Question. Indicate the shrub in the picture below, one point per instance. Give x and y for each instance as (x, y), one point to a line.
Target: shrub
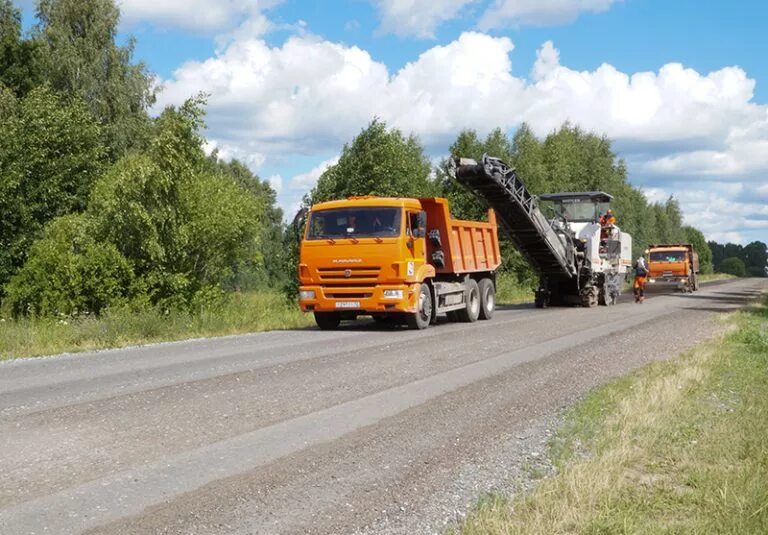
(69, 272)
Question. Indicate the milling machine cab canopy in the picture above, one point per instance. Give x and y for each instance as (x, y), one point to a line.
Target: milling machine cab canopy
(578, 207)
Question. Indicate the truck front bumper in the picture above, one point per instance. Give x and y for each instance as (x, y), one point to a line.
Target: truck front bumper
(378, 299)
(669, 282)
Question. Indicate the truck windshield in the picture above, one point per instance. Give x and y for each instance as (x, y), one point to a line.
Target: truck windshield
(354, 223)
(668, 256)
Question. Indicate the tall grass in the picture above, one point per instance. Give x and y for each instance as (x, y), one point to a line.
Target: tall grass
(678, 447)
(510, 292)
(241, 313)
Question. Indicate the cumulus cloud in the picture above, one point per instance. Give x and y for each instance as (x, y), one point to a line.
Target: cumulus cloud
(276, 181)
(506, 13)
(199, 15)
(309, 96)
(306, 181)
(415, 17)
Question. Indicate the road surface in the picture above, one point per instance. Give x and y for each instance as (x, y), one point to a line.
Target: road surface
(363, 430)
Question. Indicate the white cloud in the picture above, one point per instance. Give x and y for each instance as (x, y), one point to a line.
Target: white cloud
(198, 15)
(416, 17)
(306, 181)
(309, 96)
(276, 181)
(506, 13)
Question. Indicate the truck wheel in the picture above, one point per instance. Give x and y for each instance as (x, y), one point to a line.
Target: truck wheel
(423, 316)
(471, 312)
(487, 298)
(327, 321)
(695, 282)
(541, 299)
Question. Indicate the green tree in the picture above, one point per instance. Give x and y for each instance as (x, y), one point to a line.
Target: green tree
(379, 161)
(19, 60)
(184, 228)
(70, 271)
(80, 57)
(269, 264)
(176, 230)
(50, 155)
(755, 256)
(733, 266)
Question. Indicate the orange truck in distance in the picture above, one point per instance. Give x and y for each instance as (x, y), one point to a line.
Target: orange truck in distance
(673, 264)
(396, 259)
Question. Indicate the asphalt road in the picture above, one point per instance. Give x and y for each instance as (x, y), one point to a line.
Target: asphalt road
(362, 430)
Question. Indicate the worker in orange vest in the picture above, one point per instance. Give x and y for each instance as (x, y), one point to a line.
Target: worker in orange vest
(607, 220)
(641, 276)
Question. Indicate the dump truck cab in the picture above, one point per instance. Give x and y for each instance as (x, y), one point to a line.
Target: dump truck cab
(374, 255)
(673, 265)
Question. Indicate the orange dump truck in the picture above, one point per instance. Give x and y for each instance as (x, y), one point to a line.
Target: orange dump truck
(396, 259)
(673, 264)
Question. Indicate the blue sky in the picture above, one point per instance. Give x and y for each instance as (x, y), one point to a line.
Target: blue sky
(682, 87)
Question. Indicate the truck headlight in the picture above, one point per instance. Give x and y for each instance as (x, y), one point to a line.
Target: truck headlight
(393, 294)
(651, 280)
(307, 294)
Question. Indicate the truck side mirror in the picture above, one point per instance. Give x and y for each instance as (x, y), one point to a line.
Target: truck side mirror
(298, 222)
(421, 225)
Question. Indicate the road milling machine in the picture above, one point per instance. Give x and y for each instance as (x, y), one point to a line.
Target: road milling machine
(578, 260)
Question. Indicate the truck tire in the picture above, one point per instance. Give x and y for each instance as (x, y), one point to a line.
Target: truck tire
(541, 299)
(471, 311)
(327, 321)
(487, 298)
(425, 310)
(695, 282)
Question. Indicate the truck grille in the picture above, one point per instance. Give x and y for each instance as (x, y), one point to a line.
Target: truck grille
(340, 295)
(349, 276)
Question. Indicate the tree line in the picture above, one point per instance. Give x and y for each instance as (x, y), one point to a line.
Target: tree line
(749, 260)
(105, 205)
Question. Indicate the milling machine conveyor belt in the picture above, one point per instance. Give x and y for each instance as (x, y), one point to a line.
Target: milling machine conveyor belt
(500, 187)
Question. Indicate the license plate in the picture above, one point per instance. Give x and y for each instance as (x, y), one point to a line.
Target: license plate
(347, 304)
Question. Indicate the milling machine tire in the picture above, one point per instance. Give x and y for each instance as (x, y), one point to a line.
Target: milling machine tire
(327, 321)
(589, 297)
(487, 298)
(471, 312)
(541, 299)
(423, 316)
(605, 297)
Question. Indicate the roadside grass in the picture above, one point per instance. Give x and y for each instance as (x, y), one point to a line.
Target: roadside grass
(676, 447)
(241, 313)
(715, 277)
(511, 292)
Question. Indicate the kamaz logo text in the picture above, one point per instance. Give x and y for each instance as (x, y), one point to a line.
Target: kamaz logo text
(347, 260)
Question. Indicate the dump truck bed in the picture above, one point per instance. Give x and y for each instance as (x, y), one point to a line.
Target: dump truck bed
(466, 246)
